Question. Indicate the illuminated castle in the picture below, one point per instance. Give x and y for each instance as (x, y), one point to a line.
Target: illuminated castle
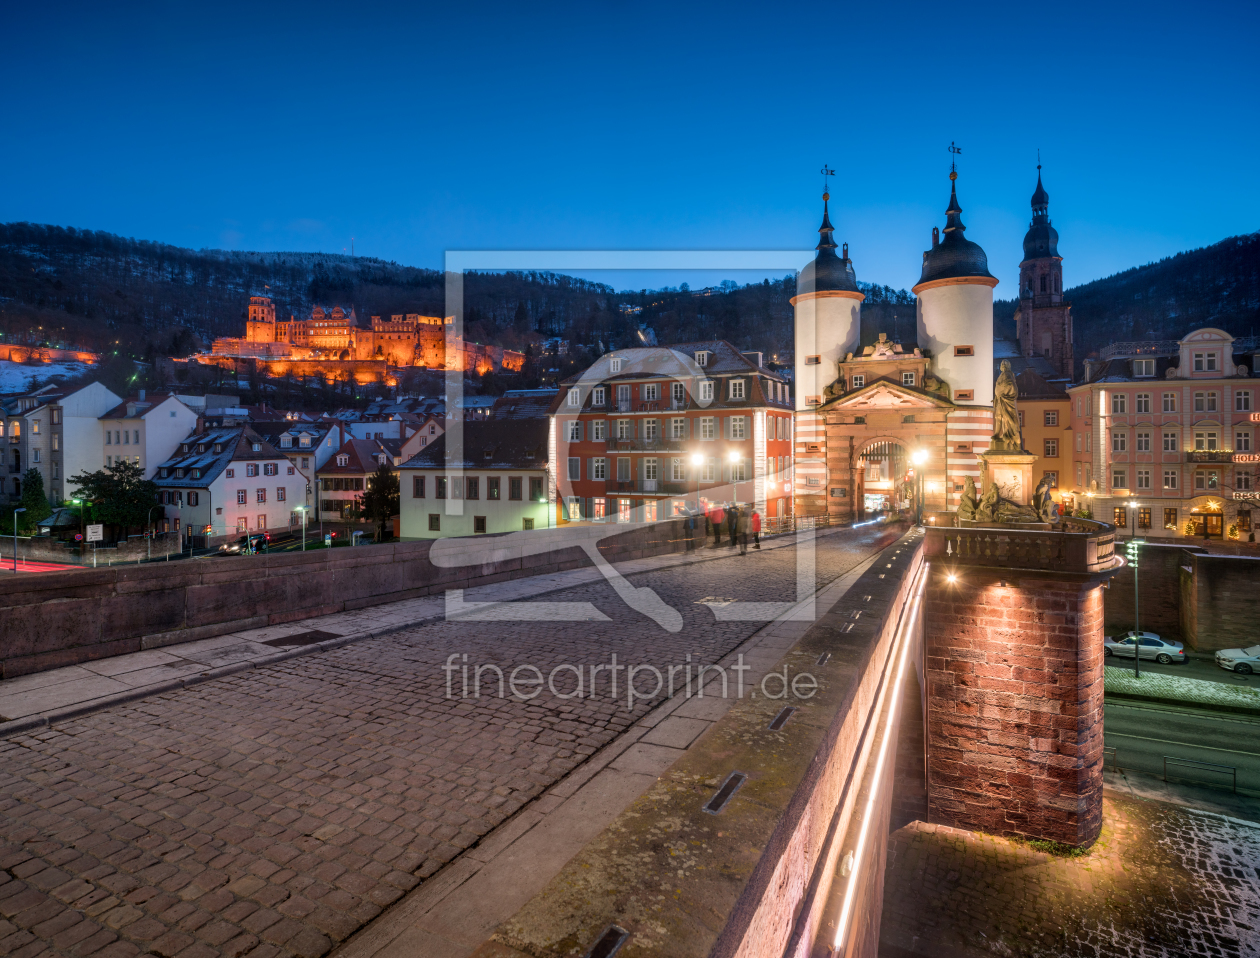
(334, 335)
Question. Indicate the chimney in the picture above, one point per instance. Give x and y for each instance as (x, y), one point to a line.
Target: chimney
(142, 395)
(936, 236)
(201, 426)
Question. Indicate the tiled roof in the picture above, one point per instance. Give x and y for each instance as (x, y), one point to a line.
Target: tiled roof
(1031, 386)
(492, 444)
(361, 455)
(236, 445)
(143, 406)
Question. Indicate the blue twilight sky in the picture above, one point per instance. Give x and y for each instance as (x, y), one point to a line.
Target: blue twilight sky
(416, 128)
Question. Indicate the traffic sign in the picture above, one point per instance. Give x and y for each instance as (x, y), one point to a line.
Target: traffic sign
(328, 541)
(96, 533)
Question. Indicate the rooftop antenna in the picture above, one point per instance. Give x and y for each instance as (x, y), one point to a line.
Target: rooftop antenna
(1038, 159)
(352, 238)
(953, 167)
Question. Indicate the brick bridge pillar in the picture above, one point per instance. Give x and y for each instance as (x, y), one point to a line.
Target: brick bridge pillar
(1015, 683)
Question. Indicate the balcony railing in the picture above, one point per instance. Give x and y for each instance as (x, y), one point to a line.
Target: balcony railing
(1082, 546)
(1210, 455)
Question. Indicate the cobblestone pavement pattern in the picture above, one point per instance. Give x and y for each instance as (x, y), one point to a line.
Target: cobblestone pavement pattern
(276, 811)
(1161, 881)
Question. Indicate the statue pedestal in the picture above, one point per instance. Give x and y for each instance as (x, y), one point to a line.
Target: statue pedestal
(1011, 472)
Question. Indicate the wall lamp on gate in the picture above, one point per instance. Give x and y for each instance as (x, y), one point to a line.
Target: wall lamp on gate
(919, 457)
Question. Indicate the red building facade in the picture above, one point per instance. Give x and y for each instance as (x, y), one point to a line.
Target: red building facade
(646, 434)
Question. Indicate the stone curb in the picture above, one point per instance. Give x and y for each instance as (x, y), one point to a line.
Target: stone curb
(43, 719)
(1183, 703)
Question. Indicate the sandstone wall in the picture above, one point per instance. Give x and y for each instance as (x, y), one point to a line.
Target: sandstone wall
(62, 618)
(1015, 704)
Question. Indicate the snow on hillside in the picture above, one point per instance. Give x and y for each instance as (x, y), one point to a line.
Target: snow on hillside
(17, 377)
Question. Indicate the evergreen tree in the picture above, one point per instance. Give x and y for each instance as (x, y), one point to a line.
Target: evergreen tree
(119, 494)
(33, 499)
(380, 502)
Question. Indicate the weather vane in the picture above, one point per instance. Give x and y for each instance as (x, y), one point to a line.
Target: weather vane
(1039, 158)
(956, 150)
(826, 172)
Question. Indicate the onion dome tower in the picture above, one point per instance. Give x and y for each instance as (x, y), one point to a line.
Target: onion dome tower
(955, 308)
(828, 315)
(1044, 320)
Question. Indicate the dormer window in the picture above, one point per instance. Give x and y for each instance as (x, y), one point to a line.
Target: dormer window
(185, 447)
(1204, 362)
(575, 397)
(343, 460)
(706, 390)
(702, 357)
(165, 473)
(382, 459)
(196, 473)
(489, 453)
(218, 447)
(286, 442)
(257, 447)
(201, 447)
(599, 396)
(737, 389)
(1143, 367)
(179, 473)
(304, 440)
(614, 365)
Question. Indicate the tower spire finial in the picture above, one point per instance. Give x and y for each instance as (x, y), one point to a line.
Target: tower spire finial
(953, 166)
(826, 172)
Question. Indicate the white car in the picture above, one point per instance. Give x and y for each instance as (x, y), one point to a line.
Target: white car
(1242, 661)
(1150, 644)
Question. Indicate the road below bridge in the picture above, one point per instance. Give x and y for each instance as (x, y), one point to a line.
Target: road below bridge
(279, 810)
(1143, 734)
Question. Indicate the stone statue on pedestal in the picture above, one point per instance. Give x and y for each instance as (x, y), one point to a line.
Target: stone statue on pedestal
(967, 506)
(1006, 431)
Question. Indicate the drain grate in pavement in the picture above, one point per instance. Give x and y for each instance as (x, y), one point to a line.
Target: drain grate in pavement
(301, 638)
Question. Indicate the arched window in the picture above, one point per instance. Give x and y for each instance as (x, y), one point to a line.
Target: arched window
(1043, 284)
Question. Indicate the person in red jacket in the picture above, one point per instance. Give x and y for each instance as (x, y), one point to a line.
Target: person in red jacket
(717, 517)
(756, 529)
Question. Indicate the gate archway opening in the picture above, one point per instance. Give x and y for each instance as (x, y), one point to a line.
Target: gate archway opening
(883, 484)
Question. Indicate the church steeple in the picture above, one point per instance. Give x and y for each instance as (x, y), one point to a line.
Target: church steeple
(1044, 319)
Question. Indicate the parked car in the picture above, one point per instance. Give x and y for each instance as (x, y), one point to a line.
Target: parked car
(1242, 661)
(254, 542)
(1150, 644)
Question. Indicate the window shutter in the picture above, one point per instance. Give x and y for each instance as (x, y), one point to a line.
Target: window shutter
(581, 431)
(590, 468)
(586, 507)
(726, 427)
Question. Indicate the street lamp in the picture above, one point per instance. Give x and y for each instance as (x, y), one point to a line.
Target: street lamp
(919, 457)
(734, 456)
(1131, 550)
(303, 510)
(15, 512)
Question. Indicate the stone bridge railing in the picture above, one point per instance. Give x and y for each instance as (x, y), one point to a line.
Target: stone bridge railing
(1078, 545)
